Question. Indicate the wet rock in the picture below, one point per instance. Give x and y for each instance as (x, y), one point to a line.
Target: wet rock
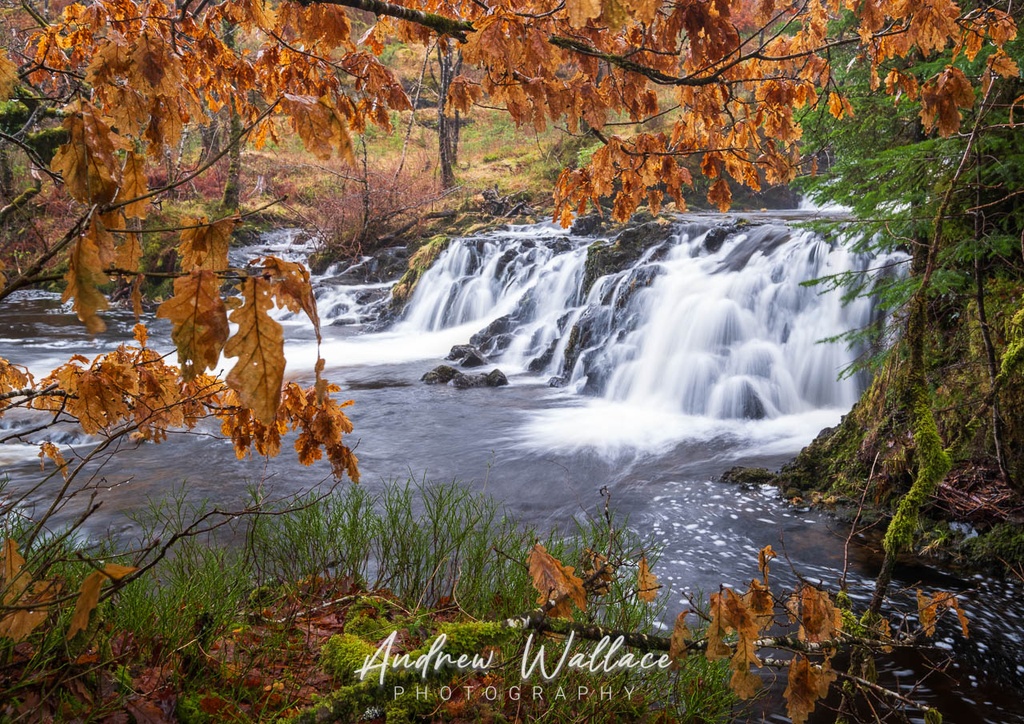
(715, 237)
(748, 476)
(473, 359)
(467, 356)
(440, 375)
(539, 364)
(494, 378)
(628, 247)
(501, 325)
(588, 225)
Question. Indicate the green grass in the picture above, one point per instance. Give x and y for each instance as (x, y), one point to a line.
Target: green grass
(219, 619)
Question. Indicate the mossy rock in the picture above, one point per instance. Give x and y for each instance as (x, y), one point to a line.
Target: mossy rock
(748, 476)
(344, 654)
(419, 262)
(605, 258)
(1003, 543)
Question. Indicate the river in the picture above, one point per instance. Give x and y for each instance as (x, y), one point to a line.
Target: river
(701, 354)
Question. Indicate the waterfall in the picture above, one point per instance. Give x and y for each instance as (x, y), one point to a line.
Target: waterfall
(707, 320)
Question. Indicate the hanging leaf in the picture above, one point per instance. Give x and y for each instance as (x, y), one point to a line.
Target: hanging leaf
(929, 608)
(86, 162)
(199, 322)
(205, 246)
(807, 684)
(647, 584)
(8, 76)
(680, 640)
(819, 619)
(51, 451)
(320, 125)
(942, 98)
(129, 252)
(720, 195)
(292, 288)
(89, 595)
(259, 346)
(11, 378)
(764, 559)
(553, 580)
(92, 252)
(134, 185)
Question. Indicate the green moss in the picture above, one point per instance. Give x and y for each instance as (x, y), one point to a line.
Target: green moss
(473, 637)
(1015, 345)
(933, 463)
(419, 262)
(748, 476)
(1004, 542)
(344, 654)
(346, 704)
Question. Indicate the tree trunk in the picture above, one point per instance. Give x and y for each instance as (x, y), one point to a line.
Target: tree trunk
(232, 185)
(449, 60)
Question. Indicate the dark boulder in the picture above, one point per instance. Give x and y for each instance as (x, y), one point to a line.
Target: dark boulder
(467, 356)
(501, 325)
(473, 359)
(494, 378)
(609, 257)
(588, 225)
(440, 375)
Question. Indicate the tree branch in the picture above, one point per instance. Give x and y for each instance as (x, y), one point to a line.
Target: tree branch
(443, 25)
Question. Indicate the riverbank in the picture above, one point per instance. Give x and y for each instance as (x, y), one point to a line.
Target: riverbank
(274, 622)
(971, 523)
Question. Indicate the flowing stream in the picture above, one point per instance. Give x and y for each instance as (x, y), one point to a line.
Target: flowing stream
(703, 352)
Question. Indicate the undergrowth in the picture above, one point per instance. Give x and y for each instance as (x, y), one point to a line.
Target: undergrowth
(268, 616)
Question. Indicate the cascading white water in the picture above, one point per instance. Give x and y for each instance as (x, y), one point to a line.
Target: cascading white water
(713, 321)
(733, 333)
(479, 279)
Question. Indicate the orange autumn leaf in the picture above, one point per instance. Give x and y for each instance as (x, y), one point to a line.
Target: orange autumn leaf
(929, 608)
(552, 580)
(720, 195)
(19, 592)
(321, 126)
(292, 288)
(259, 346)
(133, 186)
(199, 321)
(87, 162)
(89, 595)
(646, 583)
(807, 684)
(680, 639)
(204, 246)
(8, 76)
(91, 254)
